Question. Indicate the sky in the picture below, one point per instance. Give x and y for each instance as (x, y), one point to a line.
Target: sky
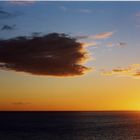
(69, 56)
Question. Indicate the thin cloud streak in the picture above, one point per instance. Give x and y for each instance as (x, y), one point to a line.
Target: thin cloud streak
(86, 11)
(88, 44)
(122, 45)
(21, 3)
(8, 27)
(117, 45)
(63, 8)
(138, 14)
(132, 70)
(103, 35)
(5, 14)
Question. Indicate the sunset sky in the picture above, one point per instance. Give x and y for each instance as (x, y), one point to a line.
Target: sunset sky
(72, 56)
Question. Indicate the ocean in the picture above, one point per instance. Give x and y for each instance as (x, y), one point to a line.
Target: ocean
(70, 125)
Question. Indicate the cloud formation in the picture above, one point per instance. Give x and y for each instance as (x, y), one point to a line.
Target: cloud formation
(103, 35)
(138, 14)
(22, 3)
(63, 8)
(109, 44)
(8, 27)
(92, 40)
(52, 54)
(131, 71)
(86, 11)
(88, 44)
(5, 14)
(118, 45)
(122, 45)
(137, 74)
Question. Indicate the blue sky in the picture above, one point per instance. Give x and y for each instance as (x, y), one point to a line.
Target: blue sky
(109, 31)
(80, 18)
(73, 17)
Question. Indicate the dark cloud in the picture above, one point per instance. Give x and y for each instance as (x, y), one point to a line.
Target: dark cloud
(137, 74)
(8, 27)
(121, 69)
(53, 54)
(5, 14)
(36, 34)
(82, 37)
(122, 45)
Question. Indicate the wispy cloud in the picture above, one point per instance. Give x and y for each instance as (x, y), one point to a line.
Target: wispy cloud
(88, 44)
(138, 25)
(117, 45)
(82, 36)
(6, 14)
(8, 27)
(92, 40)
(82, 10)
(138, 14)
(137, 74)
(121, 45)
(110, 44)
(103, 35)
(21, 3)
(63, 8)
(52, 54)
(131, 71)
(87, 11)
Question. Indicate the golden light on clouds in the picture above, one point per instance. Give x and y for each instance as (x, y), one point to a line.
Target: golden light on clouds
(103, 35)
(132, 70)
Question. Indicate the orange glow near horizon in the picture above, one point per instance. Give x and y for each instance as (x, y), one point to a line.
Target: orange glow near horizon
(69, 56)
(69, 95)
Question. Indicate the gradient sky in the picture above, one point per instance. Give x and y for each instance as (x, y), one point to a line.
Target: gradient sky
(111, 30)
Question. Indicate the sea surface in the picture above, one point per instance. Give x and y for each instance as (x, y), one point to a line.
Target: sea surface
(69, 125)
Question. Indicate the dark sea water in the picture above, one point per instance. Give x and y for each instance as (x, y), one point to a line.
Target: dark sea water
(69, 125)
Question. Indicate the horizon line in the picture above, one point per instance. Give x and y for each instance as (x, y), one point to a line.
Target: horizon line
(69, 110)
